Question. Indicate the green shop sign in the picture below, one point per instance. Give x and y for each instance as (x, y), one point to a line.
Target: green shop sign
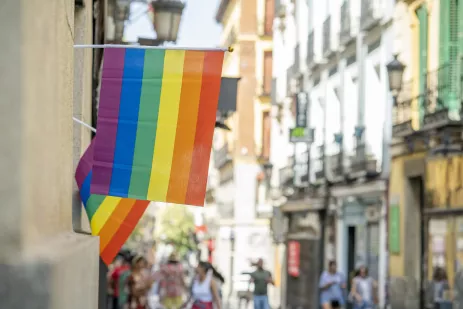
(394, 228)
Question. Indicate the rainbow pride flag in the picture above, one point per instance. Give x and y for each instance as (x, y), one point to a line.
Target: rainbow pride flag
(111, 218)
(156, 120)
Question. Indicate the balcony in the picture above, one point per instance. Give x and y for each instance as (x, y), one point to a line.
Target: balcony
(287, 173)
(440, 100)
(370, 13)
(327, 46)
(310, 50)
(402, 124)
(336, 165)
(345, 36)
(222, 156)
(320, 166)
(362, 162)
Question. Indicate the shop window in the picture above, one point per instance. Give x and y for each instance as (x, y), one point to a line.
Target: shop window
(445, 253)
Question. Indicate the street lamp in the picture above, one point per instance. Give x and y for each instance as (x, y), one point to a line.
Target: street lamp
(395, 71)
(268, 169)
(167, 16)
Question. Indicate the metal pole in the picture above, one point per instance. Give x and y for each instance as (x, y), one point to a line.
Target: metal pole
(362, 50)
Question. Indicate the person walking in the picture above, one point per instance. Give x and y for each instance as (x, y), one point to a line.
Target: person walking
(261, 279)
(138, 285)
(332, 284)
(204, 291)
(171, 283)
(364, 290)
(114, 279)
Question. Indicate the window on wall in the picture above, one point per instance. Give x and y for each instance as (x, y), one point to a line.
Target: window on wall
(269, 14)
(267, 80)
(266, 127)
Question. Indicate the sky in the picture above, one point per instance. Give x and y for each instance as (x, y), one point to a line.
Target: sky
(198, 27)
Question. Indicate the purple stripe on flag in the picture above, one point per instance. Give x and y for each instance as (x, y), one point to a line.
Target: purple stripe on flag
(84, 167)
(108, 114)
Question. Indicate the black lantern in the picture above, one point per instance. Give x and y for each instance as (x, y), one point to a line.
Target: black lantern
(395, 71)
(268, 168)
(167, 16)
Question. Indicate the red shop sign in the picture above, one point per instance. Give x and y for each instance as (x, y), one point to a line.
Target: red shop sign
(294, 258)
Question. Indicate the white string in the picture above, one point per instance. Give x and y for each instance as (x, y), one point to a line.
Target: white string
(152, 47)
(84, 124)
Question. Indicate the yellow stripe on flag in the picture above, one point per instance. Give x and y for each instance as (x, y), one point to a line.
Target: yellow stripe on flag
(167, 125)
(103, 213)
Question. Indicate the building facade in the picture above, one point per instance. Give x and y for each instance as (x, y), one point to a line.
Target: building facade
(425, 203)
(55, 266)
(330, 136)
(237, 181)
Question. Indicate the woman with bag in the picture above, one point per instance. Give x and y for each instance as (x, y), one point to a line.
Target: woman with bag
(204, 291)
(363, 293)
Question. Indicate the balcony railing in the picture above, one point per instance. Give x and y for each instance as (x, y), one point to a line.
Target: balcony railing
(403, 112)
(336, 165)
(369, 13)
(327, 48)
(439, 97)
(310, 49)
(345, 32)
(222, 156)
(320, 166)
(362, 161)
(287, 173)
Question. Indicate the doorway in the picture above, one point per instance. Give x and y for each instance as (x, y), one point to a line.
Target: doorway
(415, 258)
(351, 256)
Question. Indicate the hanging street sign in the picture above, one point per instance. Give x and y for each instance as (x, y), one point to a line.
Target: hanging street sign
(301, 135)
(302, 106)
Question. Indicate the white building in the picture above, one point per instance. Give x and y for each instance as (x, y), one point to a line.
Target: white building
(336, 51)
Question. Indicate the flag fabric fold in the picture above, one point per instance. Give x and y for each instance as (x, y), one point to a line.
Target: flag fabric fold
(111, 218)
(156, 119)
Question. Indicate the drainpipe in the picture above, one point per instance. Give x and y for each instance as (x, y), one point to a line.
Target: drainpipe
(326, 196)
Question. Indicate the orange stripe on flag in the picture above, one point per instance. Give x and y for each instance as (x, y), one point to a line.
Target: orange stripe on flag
(209, 99)
(124, 231)
(114, 221)
(186, 126)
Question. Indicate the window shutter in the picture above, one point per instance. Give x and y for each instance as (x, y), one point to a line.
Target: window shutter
(266, 132)
(267, 86)
(422, 14)
(269, 14)
(453, 73)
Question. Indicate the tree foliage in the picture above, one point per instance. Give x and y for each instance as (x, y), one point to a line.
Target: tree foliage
(176, 226)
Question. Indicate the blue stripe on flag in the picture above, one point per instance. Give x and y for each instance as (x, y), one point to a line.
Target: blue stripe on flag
(85, 190)
(128, 122)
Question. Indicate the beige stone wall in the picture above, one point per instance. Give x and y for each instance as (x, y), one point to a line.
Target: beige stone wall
(43, 263)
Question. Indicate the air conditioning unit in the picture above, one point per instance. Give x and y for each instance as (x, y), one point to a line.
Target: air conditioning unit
(372, 213)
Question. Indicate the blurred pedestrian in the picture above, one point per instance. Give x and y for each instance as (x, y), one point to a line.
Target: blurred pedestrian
(121, 265)
(138, 285)
(261, 279)
(204, 292)
(332, 284)
(172, 283)
(364, 290)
